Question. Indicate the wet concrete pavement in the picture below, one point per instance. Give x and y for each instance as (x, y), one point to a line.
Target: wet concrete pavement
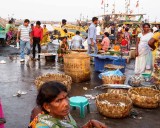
(15, 76)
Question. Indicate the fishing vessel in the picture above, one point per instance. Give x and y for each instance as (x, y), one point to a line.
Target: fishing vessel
(129, 16)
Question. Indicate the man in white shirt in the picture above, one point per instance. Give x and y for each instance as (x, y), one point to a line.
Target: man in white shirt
(92, 36)
(108, 29)
(76, 41)
(120, 28)
(24, 33)
(98, 30)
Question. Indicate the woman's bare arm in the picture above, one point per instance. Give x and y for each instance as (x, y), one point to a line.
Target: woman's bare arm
(151, 43)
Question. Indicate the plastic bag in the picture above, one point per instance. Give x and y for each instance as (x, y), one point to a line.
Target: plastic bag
(111, 73)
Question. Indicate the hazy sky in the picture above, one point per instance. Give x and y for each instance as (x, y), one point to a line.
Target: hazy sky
(71, 9)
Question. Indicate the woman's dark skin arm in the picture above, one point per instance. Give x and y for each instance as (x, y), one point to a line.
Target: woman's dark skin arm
(151, 43)
(94, 124)
(35, 112)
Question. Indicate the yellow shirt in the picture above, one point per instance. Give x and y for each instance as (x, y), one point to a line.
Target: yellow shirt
(138, 30)
(156, 36)
(45, 37)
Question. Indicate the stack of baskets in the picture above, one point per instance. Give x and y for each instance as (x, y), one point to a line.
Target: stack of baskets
(77, 66)
(145, 97)
(64, 79)
(113, 79)
(113, 105)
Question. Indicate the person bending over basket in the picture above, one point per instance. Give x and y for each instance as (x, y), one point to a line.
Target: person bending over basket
(54, 103)
(62, 49)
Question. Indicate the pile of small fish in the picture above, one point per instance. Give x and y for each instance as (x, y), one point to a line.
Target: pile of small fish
(113, 104)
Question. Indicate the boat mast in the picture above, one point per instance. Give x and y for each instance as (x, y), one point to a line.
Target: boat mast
(127, 4)
(114, 8)
(105, 5)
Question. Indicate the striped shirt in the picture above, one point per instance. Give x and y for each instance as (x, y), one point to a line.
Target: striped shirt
(24, 32)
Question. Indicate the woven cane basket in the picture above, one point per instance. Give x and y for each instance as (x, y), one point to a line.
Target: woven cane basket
(113, 79)
(113, 67)
(145, 97)
(64, 79)
(113, 105)
(77, 66)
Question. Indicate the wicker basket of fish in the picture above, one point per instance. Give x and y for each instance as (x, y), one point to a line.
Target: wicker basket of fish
(113, 67)
(113, 79)
(145, 97)
(77, 66)
(64, 79)
(114, 105)
(117, 91)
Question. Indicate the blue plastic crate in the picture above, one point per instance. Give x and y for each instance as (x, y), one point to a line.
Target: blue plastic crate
(122, 62)
(100, 61)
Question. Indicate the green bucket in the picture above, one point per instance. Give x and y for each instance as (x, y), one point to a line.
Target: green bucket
(146, 75)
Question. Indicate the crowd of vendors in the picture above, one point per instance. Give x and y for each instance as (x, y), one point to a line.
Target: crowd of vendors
(112, 37)
(52, 97)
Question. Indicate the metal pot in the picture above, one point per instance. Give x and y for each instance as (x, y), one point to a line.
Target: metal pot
(135, 81)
